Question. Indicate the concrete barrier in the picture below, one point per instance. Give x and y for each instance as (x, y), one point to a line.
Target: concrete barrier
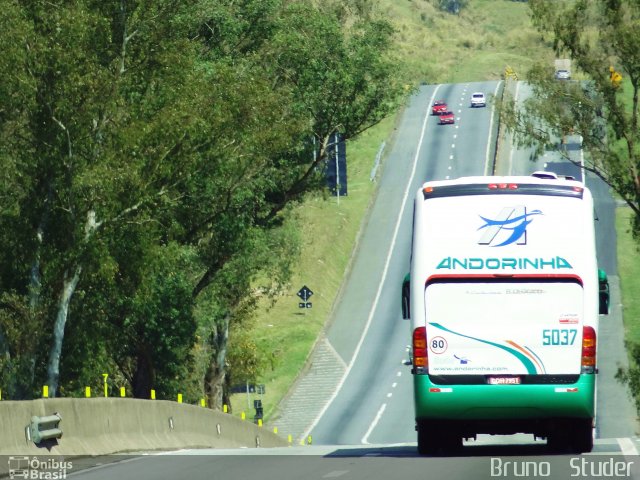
(101, 426)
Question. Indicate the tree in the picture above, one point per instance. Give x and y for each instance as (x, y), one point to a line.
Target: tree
(324, 77)
(101, 116)
(152, 148)
(601, 38)
(597, 36)
(341, 79)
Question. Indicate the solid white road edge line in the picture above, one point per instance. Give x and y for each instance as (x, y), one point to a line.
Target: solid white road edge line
(627, 446)
(365, 439)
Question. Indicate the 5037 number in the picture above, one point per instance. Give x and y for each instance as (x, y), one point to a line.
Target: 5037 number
(559, 336)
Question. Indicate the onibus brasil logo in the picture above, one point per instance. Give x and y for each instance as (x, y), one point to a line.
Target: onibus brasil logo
(510, 226)
(38, 468)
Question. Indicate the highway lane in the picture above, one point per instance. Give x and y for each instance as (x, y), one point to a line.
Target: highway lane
(449, 151)
(616, 416)
(375, 401)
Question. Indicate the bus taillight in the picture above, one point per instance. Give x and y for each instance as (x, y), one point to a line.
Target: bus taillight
(420, 360)
(588, 364)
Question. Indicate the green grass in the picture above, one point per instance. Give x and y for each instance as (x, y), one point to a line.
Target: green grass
(629, 272)
(628, 248)
(285, 333)
(434, 47)
(479, 44)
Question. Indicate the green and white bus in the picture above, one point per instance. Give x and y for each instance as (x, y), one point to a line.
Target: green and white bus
(503, 297)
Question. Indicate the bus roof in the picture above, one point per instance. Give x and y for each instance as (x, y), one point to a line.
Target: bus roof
(515, 185)
(541, 178)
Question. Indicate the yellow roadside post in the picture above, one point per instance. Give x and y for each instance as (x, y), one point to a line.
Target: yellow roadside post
(615, 77)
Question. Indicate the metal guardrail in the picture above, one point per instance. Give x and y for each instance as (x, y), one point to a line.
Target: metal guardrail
(376, 164)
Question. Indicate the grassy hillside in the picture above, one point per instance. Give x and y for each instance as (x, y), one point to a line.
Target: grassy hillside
(478, 44)
(629, 272)
(434, 47)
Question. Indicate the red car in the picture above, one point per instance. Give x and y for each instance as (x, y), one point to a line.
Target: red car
(447, 117)
(438, 107)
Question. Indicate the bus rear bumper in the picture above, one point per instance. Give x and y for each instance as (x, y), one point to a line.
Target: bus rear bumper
(537, 402)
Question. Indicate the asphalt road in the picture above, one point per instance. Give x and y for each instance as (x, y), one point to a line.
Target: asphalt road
(616, 416)
(367, 429)
(374, 402)
(365, 463)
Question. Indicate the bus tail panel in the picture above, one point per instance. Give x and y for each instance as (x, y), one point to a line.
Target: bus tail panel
(507, 402)
(488, 325)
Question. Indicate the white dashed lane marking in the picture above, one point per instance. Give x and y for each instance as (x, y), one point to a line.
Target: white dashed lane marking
(335, 474)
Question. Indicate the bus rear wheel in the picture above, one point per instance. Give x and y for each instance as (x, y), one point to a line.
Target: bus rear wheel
(581, 435)
(427, 443)
(438, 438)
(572, 436)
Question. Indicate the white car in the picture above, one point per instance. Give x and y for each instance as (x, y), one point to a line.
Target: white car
(563, 75)
(478, 100)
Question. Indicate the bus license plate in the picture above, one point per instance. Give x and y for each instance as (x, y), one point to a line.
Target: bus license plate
(504, 380)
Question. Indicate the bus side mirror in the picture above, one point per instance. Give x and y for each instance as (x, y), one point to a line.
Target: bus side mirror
(406, 297)
(603, 293)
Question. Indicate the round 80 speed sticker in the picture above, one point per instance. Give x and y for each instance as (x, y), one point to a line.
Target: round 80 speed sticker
(438, 345)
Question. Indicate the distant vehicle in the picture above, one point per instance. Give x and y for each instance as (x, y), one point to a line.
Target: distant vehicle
(504, 310)
(563, 75)
(447, 117)
(439, 106)
(478, 100)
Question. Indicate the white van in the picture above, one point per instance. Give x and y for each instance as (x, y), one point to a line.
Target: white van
(478, 100)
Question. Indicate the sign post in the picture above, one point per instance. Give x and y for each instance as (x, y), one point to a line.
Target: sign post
(305, 293)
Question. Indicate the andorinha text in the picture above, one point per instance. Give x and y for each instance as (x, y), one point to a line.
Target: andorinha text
(494, 263)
